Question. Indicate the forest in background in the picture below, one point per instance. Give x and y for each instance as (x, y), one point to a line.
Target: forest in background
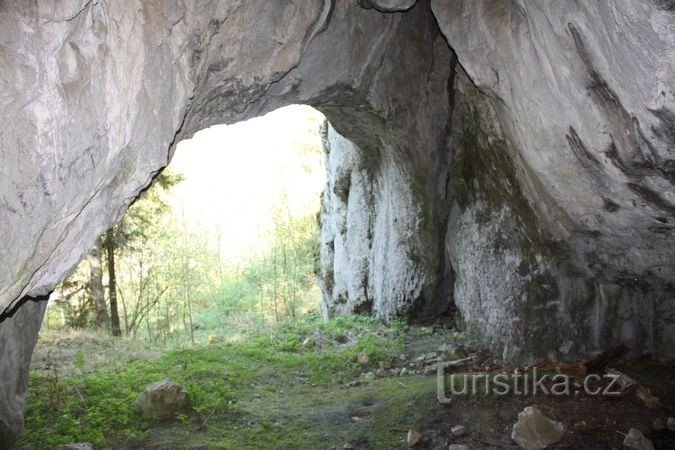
(164, 276)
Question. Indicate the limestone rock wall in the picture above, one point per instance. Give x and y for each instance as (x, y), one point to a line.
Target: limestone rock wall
(561, 233)
(525, 291)
(372, 233)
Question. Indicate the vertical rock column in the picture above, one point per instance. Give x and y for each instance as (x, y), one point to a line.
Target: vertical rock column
(18, 335)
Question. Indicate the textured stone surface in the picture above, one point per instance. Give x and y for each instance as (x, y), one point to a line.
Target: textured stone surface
(561, 237)
(535, 431)
(18, 335)
(636, 440)
(163, 399)
(79, 446)
(390, 5)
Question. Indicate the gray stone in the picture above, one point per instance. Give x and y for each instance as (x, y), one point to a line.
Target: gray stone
(458, 447)
(671, 423)
(79, 446)
(391, 5)
(534, 431)
(163, 399)
(635, 439)
(659, 424)
(458, 430)
(18, 336)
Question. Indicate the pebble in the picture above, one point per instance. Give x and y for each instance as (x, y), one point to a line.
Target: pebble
(458, 447)
(636, 440)
(370, 376)
(671, 423)
(659, 424)
(362, 358)
(79, 446)
(458, 430)
(413, 438)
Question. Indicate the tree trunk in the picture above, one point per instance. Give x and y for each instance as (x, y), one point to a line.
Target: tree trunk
(112, 284)
(96, 286)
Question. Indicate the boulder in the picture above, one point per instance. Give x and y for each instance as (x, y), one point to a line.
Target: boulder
(163, 399)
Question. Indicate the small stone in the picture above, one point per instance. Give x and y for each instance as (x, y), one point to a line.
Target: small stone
(444, 348)
(402, 357)
(380, 373)
(413, 438)
(458, 447)
(635, 439)
(362, 359)
(420, 359)
(431, 355)
(671, 423)
(458, 430)
(535, 431)
(581, 426)
(659, 424)
(78, 446)
(384, 364)
(370, 376)
(403, 372)
(347, 445)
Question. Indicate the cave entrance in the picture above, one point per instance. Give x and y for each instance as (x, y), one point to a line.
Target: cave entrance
(224, 241)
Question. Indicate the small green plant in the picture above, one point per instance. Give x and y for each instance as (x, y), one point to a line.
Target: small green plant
(80, 360)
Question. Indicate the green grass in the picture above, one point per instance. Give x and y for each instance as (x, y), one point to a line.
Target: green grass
(226, 383)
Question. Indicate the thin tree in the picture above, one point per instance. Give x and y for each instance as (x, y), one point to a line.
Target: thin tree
(96, 292)
(112, 283)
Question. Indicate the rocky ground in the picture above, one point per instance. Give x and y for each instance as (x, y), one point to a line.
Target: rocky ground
(352, 384)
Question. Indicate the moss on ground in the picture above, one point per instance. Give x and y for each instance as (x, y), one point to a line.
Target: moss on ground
(292, 387)
(263, 392)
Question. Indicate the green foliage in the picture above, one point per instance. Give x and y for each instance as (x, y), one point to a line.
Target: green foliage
(141, 220)
(99, 407)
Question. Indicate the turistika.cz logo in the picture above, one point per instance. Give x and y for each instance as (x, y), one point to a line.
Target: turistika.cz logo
(524, 383)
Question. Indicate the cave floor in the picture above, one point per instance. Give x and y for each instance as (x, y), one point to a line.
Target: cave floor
(288, 394)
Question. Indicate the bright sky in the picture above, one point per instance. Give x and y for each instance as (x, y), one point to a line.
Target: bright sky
(236, 175)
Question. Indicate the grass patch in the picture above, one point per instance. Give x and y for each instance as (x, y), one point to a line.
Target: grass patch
(245, 385)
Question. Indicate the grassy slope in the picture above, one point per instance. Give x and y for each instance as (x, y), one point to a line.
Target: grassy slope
(286, 389)
(273, 390)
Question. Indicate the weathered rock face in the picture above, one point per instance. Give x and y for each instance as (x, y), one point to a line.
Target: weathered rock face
(18, 335)
(532, 183)
(562, 231)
